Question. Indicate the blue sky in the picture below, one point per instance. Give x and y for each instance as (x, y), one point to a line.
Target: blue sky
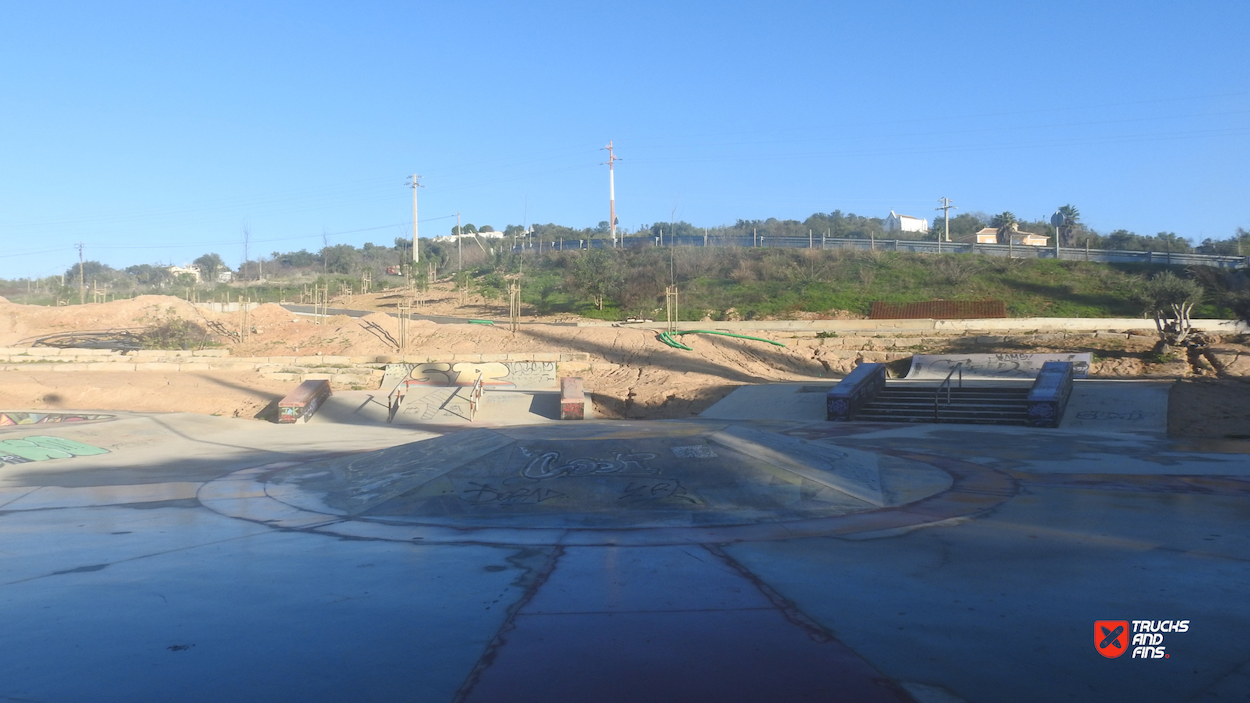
(158, 131)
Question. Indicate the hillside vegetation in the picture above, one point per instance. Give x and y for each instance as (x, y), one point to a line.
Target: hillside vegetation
(753, 283)
(720, 283)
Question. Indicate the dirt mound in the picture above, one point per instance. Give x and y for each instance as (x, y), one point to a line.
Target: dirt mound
(25, 323)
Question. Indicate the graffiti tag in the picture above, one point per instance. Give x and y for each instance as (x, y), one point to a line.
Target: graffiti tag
(486, 493)
(544, 466)
(523, 375)
(657, 490)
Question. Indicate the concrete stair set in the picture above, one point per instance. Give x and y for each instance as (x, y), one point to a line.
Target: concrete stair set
(968, 405)
(865, 395)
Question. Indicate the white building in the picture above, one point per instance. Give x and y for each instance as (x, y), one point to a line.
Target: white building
(905, 223)
(189, 269)
(470, 235)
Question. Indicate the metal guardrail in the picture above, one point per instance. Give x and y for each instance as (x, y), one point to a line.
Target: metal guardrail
(916, 246)
(947, 384)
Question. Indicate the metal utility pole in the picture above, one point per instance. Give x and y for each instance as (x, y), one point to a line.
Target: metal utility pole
(946, 212)
(82, 284)
(1059, 221)
(459, 246)
(612, 159)
(415, 183)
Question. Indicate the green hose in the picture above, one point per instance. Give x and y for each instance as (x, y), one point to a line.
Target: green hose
(727, 334)
(667, 338)
(481, 322)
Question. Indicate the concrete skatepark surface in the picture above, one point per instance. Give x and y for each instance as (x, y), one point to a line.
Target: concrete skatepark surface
(180, 557)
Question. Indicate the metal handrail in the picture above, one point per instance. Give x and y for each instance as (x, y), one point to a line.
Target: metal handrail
(396, 396)
(947, 385)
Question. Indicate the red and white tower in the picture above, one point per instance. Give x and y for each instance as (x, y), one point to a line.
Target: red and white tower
(612, 159)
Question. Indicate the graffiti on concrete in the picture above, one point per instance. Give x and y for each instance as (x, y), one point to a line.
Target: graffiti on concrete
(428, 406)
(694, 451)
(487, 493)
(994, 365)
(11, 418)
(27, 449)
(512, 375)
(544, 466)
(656, 490)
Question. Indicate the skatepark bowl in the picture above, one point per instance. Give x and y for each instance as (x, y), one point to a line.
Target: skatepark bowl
(753, 553)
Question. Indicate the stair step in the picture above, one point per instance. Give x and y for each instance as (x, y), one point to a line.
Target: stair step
(944, 420)
(976, 405)
(952, 412)
(929, 403)
(890, 393)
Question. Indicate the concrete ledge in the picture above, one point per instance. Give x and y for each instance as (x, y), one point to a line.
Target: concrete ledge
(110, 366)
(157, 366)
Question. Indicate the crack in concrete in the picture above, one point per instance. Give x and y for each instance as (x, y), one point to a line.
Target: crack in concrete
(536, 580)
(814, 630)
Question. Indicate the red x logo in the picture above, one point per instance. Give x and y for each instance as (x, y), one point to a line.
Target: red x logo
(1111, 637)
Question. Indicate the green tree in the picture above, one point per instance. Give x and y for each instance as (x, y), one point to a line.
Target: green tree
(149, 274)
(340, 258)
(210, 265)
(1170, 299)
(91, 270)
(1237, 245)
(596, 275)
(1067, 232)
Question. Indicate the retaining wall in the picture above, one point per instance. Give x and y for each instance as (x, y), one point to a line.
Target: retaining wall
(983, 325)
(350, 370)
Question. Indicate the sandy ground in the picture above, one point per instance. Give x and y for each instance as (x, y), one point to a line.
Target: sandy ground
(635, 376)
(228, 394)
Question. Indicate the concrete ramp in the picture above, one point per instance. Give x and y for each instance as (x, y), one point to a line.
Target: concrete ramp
(992, 366)
(618, 475)
(851, 471)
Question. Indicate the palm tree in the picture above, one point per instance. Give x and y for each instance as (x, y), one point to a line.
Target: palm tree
(1071, 217)
(1004, 222)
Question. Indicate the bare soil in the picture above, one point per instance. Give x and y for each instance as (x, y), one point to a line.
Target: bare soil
(634, 376)
(228, 394)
